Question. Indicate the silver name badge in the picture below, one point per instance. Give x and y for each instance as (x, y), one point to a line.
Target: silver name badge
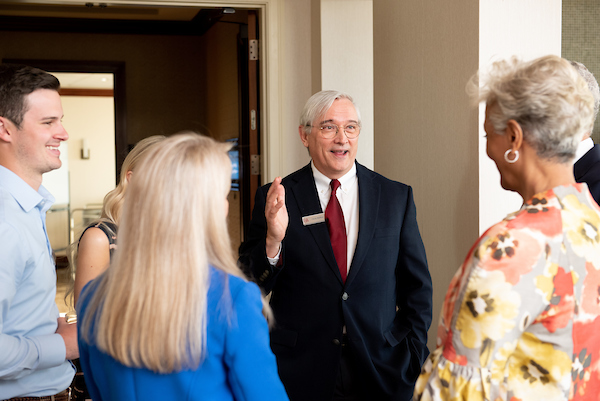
(313, 219)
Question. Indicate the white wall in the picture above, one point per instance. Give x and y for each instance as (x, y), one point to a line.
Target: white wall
(347, 61)
(92, 118)
(57, 181)
(527, 29)
(320, 49)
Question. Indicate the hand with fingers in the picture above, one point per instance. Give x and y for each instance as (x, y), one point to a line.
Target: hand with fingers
(277, 217)
(68, 331)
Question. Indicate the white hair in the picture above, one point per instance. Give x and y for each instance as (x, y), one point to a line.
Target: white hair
(546, 96)
(318, 104)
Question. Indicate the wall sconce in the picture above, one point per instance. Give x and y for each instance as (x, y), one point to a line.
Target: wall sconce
(85, 149)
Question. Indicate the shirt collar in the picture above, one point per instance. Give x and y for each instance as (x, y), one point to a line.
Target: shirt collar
(583, 147)
(26, 197)
(322, 181)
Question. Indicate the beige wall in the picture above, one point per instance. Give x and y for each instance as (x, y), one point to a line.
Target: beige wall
(91, 118)
(298, 72)
(425, 131)
(428, 135)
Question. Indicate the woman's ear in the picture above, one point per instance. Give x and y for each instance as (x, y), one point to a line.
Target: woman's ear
(514, 134)
(128, 175)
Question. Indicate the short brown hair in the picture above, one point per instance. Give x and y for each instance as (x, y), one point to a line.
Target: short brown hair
(16, 82)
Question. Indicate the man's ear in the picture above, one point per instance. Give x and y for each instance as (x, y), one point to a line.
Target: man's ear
(5, 129)
(303, 136)
(514, 133)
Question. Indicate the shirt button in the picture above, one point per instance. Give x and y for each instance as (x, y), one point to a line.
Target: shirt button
(345, 296)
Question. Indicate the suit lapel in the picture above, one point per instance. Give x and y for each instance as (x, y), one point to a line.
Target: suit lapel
(305, 194)
(368, 208)
(582, 165)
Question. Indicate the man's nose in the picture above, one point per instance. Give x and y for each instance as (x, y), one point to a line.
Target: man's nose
(62, 134)
(340, 136)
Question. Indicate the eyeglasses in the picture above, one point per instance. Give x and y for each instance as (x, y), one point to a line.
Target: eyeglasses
(329, 131)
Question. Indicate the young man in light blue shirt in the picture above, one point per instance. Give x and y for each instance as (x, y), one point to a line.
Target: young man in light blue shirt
(35, 343)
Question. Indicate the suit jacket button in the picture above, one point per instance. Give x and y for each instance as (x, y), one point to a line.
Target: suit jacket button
(345, 296)
(336, 341)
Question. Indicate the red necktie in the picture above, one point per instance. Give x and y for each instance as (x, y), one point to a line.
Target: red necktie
(337, 230)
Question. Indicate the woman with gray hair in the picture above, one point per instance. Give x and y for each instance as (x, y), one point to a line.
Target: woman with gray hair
(521, 316)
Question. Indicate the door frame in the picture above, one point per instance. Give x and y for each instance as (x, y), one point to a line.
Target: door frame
(271, 87)
(117, 68)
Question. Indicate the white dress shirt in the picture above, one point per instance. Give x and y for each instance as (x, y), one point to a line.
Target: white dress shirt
(347, 194)
(583, 147)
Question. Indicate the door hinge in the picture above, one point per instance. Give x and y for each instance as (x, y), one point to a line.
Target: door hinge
(255, 164)
(253, 49)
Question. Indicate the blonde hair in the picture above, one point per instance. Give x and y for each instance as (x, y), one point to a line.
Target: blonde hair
(111, 206)
(113, 201)
(149, 308)
(546, 96)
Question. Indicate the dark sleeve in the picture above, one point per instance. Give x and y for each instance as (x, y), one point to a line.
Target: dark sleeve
(413, 285)
(252, 368)
(252, 253)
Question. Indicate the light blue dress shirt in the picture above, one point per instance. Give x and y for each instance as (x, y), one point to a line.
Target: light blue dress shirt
(32, 355)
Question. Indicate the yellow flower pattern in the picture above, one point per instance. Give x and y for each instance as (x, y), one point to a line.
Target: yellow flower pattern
(583, 229)
(488, 309)
(522, 315)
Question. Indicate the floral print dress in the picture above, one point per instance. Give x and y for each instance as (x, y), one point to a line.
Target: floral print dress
(521, 318)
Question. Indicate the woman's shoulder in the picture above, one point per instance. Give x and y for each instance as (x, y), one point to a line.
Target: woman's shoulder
(219, 278)
(94, 236)
(236, 289)
(105, 228)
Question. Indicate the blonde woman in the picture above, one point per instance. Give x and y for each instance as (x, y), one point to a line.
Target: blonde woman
(96, 244)
(521, 316)
(91, 255)
(174, 317)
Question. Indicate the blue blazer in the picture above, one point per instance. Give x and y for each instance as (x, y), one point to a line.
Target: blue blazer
(238, 365)
(385, 303)
(587, 169)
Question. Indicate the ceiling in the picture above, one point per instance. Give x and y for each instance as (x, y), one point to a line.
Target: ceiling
(89, 17)
(91, 10)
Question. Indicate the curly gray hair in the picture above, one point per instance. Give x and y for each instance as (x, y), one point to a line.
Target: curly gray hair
(546, 96)
(591, 82)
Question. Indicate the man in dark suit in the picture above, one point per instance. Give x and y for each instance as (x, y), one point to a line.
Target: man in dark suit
(348, 277)
(587, 169)
(587, 158)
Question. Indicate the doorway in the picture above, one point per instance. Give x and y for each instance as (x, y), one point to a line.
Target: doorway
(189, 80)
(166, 77)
